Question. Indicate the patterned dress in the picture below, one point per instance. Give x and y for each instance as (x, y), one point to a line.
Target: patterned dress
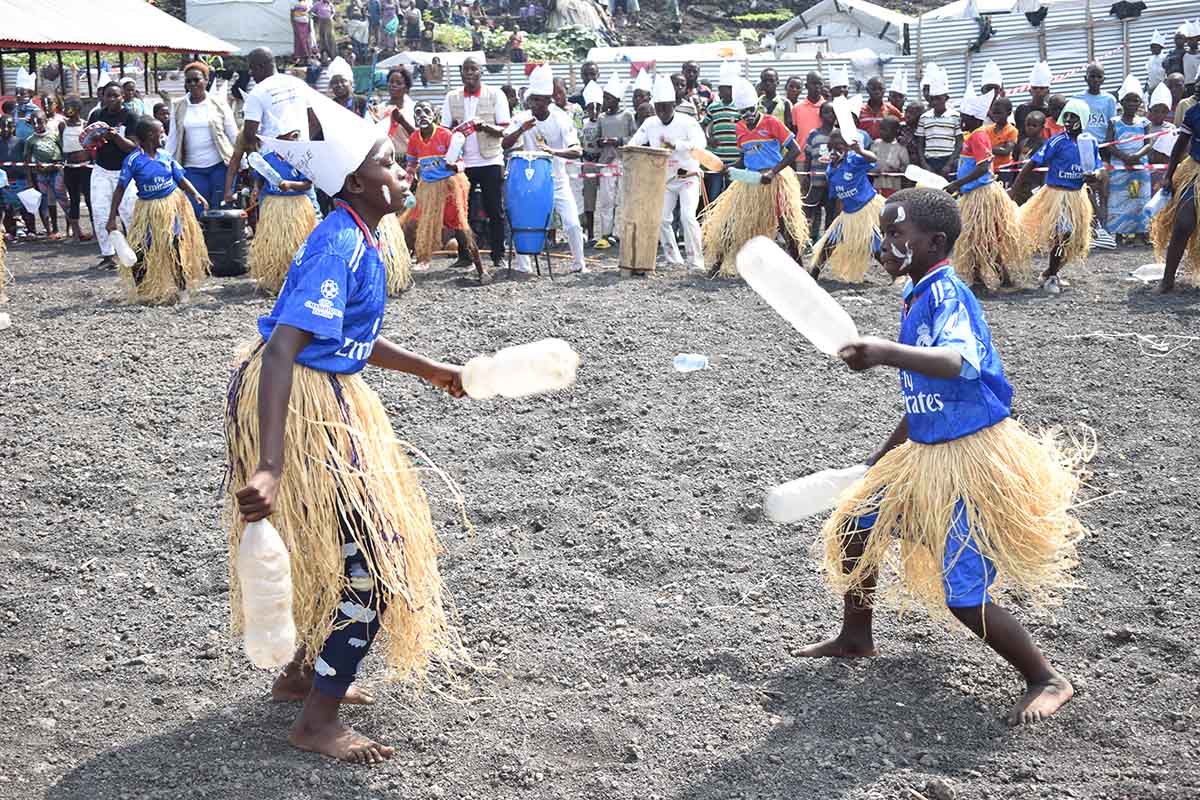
(1129, 188)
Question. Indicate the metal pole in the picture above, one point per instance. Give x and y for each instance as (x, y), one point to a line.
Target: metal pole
(87, 69)
(920, 55)
(156, 72)
(1091, 32)
(1125, 50)
(121, 63)
(3, 89)
(62, 72)
(146, 72)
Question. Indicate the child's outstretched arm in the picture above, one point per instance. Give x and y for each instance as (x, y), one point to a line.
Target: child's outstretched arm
(444, 376)
(869, 351)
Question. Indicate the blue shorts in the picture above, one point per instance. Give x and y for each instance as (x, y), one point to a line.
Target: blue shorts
(8, 195)
(966, 573)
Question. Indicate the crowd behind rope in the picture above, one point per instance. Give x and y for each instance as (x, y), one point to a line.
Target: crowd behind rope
(40, 143)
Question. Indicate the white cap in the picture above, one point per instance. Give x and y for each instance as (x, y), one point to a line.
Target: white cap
(1158, 38)
(1183, 29)
(643, 81)
(931, 69)
(938, 85)
(1131, 85)
(663, 91)
(899, 83)
(541, 81)
(977, 105)
(839, 76)
(592, 94)
(730, 72)
(744, 94)
(126, 79)
(1040, 75)
(102, 79)
(615, 86)
(968, 91)
(26, 80)
(339, 67)
(992, 75)
(347, 143)
(1161, 97)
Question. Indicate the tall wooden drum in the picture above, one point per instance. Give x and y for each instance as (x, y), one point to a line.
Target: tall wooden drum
(643, 185)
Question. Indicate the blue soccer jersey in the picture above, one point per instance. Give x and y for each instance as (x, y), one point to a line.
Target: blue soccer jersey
(1060, 157)
(286, 171)
(764, 145)
(1191, 126)
(940, 311)
(848, 181)
(154, 177)
(336, 290)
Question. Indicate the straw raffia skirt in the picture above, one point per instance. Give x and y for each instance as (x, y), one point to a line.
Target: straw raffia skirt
(284, 222)
(1187, 174)
(449, 195)
(342, 461)
(170, 249)
(396, 258)
(5, 275)
(991, 238)
(1018, 491)
(744, 211)
(850, 243)
(1056, 217)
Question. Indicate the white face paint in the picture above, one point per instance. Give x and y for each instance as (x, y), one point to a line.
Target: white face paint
(900, 215)
(387, 194)
(905, 255)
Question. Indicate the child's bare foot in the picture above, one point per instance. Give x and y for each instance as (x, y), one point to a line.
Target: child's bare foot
(338, 740)
(841, 646)
(296, 682)
(1164, 287)
(1041, 700)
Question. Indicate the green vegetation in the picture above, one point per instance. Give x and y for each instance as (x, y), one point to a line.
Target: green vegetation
(766, 18)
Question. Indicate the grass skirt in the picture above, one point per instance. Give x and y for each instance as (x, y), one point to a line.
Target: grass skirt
(1055, 217)
(284, 222)
(850, 242)
(5, 275)
(341, 461)
(1018, 490)
(1186, 174)
(744, 211)
(170, 249)
(991, 237)
(449, 195)
(395, 254)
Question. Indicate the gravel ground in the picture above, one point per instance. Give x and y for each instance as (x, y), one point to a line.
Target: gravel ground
(632, 615)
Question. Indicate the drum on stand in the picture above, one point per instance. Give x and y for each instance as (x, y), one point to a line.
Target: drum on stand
(529, 197)
(643, 187)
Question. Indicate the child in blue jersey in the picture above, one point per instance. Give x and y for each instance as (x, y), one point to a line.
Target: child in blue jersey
(960, 502)
(1173, 230)
(285, 219)
(851, 241)
(1058, 218)
(172, 256)
(775, 205)
(310, 446)
(991, 248)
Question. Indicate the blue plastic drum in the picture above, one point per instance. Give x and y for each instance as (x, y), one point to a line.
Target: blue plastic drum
(529, 195)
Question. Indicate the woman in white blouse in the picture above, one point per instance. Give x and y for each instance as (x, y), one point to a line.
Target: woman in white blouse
(202, 135)
(398, 109)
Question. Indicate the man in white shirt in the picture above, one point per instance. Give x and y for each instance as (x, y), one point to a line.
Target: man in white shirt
(547, 128)
(487, 109)
(680, 134)
(278, 104)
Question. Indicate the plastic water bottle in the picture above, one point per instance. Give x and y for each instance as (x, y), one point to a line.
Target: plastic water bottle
(790, 290)
(1148, 273)
(535, 368)
(125, 253)
(812, 494)
(3, 179)
(5, 320)
(923, 177)
(690, 362)
(265, 572)
(1087, 151)
(1159, 201)
(745, 175)
(260, 165)
(454, 151)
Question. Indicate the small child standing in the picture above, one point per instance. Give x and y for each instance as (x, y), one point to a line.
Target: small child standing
(43, 151)
(285, 219)
(165, 236)
(1031, 142)
(1159, 112)
(616, 128)
(891, 157)
(960, 494)
(442, 187)
(851, 241)
(1003, 135)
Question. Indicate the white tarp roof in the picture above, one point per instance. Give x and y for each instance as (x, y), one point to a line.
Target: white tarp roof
(708, 51)
(420, 57)
(129, 25)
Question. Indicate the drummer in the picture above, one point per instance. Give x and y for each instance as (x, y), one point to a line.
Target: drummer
(547, 129)
(680, 134)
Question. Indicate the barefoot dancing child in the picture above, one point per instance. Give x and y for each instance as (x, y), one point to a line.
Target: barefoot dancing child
(171, 254)
(1173, 230)
(990, 248)
(960, 495)
(852, 239)
(310, 446)
(1058, 218)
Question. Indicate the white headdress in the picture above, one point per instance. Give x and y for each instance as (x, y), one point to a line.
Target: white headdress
(593, 94)
(899, 82)
(643, 82)
(663, 91)
(541, 81)
(977, 105)
(339, 67)
(1040, 75)
(615, 86)
(839, 76)
(348, 141)
(1161, 97)
(992, 75)
(26, 80)
(1158, 38)
(1131, 85)
(938, 85)
(744, 94)
(730, 72)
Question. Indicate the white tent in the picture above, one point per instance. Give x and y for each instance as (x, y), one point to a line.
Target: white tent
(710, 51)
(407, 59)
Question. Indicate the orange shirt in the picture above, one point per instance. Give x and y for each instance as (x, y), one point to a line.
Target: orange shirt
(1006, 135)
(1051, 129)
(806, 117)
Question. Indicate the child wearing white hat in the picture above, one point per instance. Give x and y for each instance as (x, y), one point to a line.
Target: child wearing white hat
(680, 134)
(1155, 73)
(616, 129)
(1158, 110)
(1129, 180)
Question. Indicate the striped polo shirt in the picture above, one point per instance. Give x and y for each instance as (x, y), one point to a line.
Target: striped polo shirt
(724, 118)
(940, 132)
